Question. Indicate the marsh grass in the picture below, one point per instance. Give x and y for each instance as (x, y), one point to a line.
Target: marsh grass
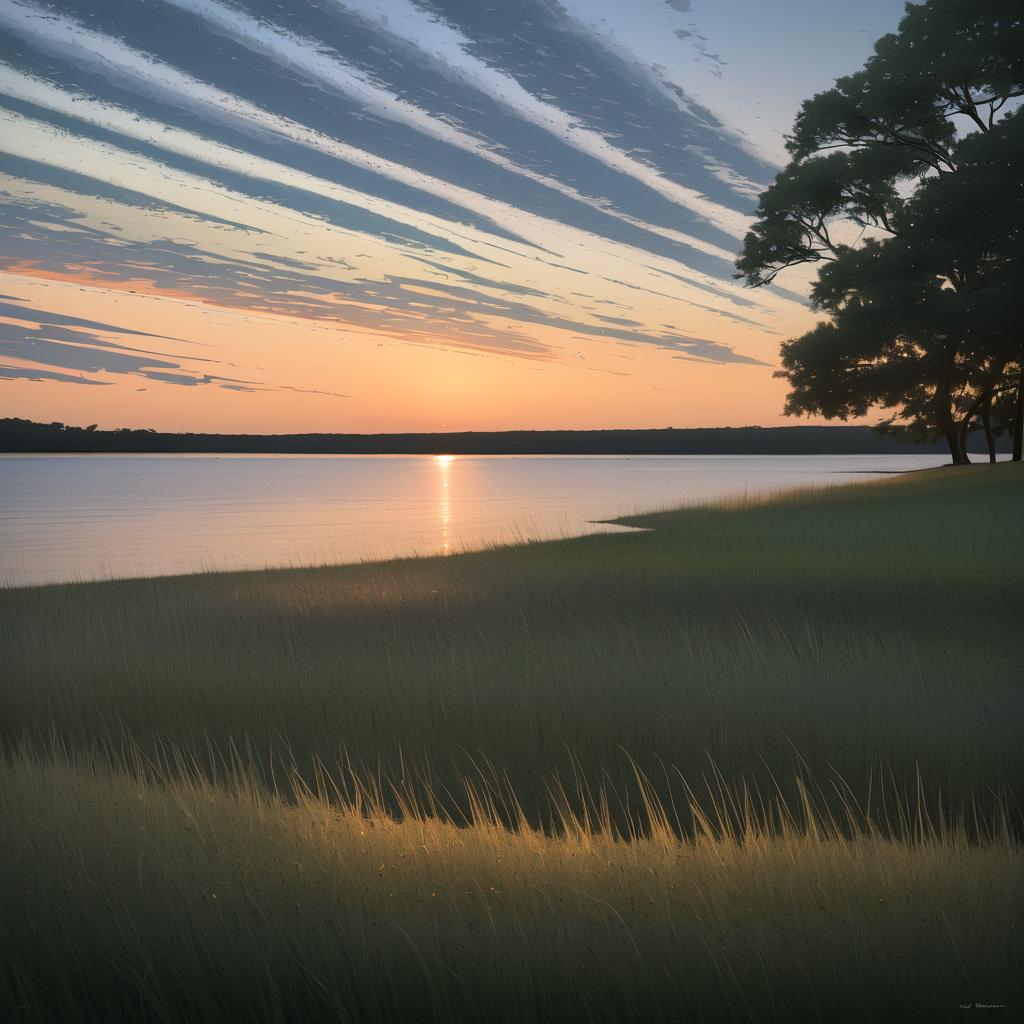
(757, 762)
(134, 896)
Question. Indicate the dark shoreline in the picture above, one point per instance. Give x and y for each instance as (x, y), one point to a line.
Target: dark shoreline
(24, 436)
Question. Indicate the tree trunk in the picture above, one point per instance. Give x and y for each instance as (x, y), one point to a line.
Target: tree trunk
(962, 433)
(944, 412)
(990, 437)
(952, 436)
(1018, 421)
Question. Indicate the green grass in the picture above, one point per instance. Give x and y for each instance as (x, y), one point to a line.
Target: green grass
(760, 762)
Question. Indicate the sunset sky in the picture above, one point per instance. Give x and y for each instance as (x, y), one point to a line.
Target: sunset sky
(364, 215)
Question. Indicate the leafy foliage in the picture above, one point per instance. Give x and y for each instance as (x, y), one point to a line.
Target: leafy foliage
(917, 157)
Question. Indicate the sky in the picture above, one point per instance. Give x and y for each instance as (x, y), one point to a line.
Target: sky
(412, 215)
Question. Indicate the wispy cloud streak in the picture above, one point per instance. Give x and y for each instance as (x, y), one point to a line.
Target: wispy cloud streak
(441, 172)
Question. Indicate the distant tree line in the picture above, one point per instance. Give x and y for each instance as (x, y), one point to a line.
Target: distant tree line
(19, 435)
(906, 192)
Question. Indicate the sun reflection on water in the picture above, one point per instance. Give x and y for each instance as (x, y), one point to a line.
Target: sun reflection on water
(444, 505)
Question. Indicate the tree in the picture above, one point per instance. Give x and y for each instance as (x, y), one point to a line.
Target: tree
(905, 190)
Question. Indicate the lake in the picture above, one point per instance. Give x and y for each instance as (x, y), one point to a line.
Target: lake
(77, 517)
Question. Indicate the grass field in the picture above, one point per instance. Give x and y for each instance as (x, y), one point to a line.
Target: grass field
(757, 763)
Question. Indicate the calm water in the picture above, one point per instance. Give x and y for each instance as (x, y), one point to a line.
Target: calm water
(95, 516)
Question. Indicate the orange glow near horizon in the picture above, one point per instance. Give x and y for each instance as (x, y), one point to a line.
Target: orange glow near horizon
(395, 384)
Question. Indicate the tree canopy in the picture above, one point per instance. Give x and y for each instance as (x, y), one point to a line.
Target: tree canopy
(906, 192)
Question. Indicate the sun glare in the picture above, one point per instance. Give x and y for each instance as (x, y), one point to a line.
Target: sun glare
(444, 508)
